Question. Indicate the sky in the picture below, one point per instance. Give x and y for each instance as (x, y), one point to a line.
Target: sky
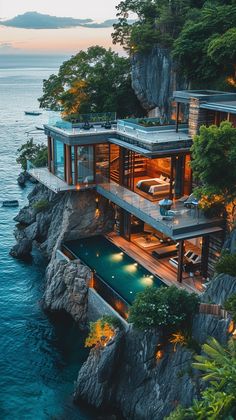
(56, 41)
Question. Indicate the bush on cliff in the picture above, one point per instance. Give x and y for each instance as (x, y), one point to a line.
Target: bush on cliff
(227, 265)
(218, 401)
(230, 305)
(166, 307)
(35, 153)
(41, 205)
(102, 331)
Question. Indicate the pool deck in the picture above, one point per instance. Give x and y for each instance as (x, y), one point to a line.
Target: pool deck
(161, 269)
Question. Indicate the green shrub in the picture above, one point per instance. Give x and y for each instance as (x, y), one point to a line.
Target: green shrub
(227, 264)
(167, 307)
(36, 153)
(230, 305)
(41, 205)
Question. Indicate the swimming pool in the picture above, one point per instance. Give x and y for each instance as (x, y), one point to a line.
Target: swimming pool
(123, 274)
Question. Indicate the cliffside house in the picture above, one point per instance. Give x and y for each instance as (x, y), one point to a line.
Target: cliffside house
(135, 165)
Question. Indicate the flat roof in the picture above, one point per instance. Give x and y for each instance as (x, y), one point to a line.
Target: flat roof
(225, 106)
(203, 95)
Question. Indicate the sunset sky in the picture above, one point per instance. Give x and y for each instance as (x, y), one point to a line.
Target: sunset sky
(68, 40)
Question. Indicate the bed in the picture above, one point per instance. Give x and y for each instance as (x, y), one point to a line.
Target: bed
(154, 185)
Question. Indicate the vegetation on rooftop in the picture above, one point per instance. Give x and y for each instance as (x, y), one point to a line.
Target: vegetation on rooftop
(164, 307)
(200, 35)
(96, 80)
(218, 400)
(35, 153)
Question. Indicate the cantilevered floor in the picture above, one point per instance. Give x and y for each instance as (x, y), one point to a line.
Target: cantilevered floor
(51, 181)
(185, 223)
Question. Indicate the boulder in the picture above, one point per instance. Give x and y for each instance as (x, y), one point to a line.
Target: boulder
(22, 249)
(67, 289)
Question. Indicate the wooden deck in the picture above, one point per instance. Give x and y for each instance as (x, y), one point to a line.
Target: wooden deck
(161, 268)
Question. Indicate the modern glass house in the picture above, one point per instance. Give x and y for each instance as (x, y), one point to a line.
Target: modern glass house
(136, 165)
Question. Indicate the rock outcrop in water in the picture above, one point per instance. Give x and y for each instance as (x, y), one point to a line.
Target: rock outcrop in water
(47, 221)
(67, 289)
(154, 78)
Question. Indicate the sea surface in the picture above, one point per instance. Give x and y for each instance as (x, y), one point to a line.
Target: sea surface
(40, 356)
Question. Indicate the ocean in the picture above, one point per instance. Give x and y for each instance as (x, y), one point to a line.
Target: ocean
(40, 356)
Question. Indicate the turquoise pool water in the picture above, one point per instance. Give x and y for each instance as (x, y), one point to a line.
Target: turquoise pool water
(115, 267)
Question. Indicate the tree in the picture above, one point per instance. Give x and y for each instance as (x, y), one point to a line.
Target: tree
(36, 153)
(96, 80)
(213, 149)
(205, 48)
(102, 331)
(165, 307)
(199, 34)
(158, 21)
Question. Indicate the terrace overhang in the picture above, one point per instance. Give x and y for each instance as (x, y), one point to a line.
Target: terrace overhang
(77, 136)
(185, 96)
(187, 224)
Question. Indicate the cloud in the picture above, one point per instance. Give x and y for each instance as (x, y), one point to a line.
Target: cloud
(35, 20)
(7, 48)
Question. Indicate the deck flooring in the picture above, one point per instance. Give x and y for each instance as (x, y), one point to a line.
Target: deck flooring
(160, 268)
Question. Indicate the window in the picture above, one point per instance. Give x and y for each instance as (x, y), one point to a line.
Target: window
(59, 158)
(85, 164)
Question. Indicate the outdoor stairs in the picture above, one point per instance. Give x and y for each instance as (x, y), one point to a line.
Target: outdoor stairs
(114, 175)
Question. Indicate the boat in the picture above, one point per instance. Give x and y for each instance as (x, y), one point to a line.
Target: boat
(39, 128)
(10, 203)
(35, 113)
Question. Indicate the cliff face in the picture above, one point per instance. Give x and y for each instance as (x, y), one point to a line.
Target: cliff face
(67, 216)
(154, 78)
(126, 376)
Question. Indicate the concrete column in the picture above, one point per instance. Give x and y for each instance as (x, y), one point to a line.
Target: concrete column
(180, 261)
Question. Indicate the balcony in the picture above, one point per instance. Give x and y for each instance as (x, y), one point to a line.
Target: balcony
(52, 182)
(186, 223)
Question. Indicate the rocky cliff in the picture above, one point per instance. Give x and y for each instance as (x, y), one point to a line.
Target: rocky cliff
(154, 78)
(126, 376)
(47, 221)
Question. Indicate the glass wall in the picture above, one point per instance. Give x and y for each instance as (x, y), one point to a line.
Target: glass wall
(85, 164)
(102, 162)
(59, 158)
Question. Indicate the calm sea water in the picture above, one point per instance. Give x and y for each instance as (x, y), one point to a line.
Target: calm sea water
(39, 357)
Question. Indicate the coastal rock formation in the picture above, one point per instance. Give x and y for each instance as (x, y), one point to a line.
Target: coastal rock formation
(127, 376)
(47, 221)
(154, 78)
(220, 289)
(50, 218)
(67, 289)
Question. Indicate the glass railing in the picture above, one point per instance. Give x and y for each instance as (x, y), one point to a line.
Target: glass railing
(155, 135)
(138, 202)
(55, 119)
